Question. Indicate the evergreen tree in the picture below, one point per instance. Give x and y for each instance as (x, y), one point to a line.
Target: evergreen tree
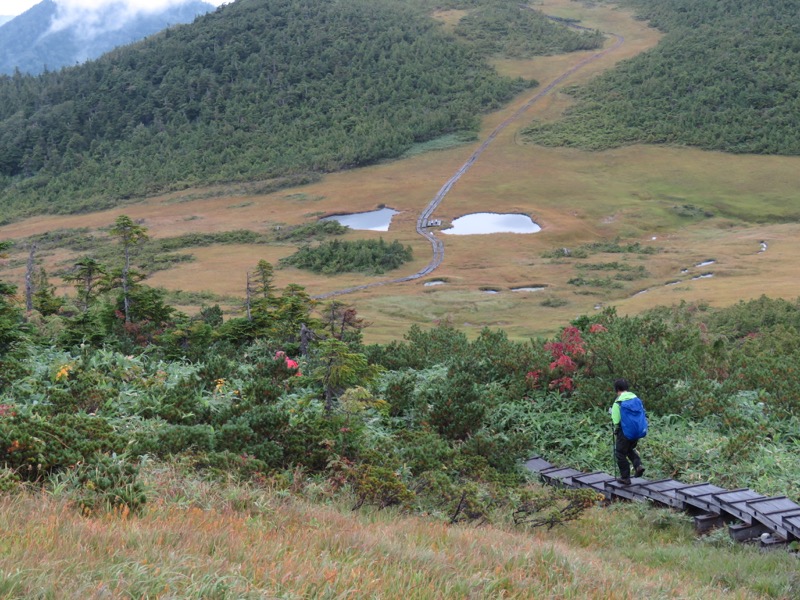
(293, 309)
(129, 234)
(342, 322)
(87, 276)
(261, 284)
(340, 368)
(10, 322)
(263, 279)
(44, 297)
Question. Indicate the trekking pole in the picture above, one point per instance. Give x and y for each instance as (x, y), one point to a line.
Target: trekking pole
(615, 468)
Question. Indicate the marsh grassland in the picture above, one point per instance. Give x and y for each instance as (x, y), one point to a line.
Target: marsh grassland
(205, 539)
(689, 206)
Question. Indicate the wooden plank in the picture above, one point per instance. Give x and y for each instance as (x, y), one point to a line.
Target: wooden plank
(690, 486)
(769, 510)
(561, 476)
(536, 464)
(595, 481)
(737, 495)
(663, 490)
(629, 492)
(641, 487)
(551, 469)
(741, 510)
(779, 524)
(734, 502)
(700, 489)
(701, 496)
(775, 504)
(792, 524)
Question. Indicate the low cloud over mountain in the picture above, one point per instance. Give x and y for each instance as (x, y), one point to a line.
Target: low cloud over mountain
(57, 33)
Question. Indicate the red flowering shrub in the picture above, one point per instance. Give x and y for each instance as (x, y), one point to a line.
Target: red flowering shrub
(567, 356)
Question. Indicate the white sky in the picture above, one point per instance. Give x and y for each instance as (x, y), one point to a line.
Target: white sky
(17, 7)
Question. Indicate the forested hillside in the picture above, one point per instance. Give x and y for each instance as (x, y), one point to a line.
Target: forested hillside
(254, 90)
(517, 30)
(726, 76)
(43, 37)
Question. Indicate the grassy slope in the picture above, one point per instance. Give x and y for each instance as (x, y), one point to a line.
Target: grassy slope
(205, 540)
(576, 196)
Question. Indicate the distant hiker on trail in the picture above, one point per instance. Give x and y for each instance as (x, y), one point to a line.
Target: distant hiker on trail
(290, 364)
(630, 425)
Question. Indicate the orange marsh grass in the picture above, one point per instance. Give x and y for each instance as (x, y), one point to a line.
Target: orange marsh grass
(633, 193)
(198, 539)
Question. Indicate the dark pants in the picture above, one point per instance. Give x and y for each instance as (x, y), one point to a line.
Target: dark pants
(624, 451)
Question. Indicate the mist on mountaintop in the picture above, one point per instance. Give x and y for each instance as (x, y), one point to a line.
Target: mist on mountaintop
(58, 33)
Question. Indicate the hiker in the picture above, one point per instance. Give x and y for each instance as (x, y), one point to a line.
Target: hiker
(630, 425)
(290, 364)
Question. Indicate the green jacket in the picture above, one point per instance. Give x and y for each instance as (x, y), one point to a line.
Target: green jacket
(614, 410)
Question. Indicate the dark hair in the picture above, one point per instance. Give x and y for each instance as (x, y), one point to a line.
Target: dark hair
(621, 385)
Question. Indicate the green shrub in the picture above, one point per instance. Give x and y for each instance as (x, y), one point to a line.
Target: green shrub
(514, 30)
(104, 484)
(311, 231)
(35, 445)
(398, 388)
(417, 450)
(9, 480)
(456, 406)
(601, 282)
(169, 439)
(229, 464)
(379, 486)
(554, 302)
(364, 256)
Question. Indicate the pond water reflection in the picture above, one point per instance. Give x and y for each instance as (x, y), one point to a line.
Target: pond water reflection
(374, 220)
(481, 223)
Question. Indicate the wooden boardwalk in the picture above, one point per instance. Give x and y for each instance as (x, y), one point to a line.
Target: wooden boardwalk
(747, 514)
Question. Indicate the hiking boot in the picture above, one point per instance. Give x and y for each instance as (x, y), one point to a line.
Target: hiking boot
(639, 471)
(624, 480)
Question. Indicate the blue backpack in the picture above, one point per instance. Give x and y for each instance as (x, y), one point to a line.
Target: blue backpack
(633, 419)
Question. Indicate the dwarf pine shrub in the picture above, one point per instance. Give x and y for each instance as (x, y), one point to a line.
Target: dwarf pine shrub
(106, 483)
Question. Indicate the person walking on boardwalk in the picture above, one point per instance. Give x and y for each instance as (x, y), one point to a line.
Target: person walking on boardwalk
(630, 425)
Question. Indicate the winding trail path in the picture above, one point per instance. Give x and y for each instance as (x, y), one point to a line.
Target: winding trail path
(425, 215)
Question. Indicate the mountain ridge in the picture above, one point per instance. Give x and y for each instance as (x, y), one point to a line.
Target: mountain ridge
(45, 37)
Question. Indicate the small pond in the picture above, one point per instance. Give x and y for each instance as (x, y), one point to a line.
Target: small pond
(434, 282)
(480, 223)
(528, 289)
(374, 220)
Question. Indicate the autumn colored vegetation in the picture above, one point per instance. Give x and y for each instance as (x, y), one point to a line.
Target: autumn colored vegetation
(187, 459)
(97, 386)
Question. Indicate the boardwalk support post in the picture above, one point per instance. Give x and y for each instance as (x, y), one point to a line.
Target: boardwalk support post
(742, 532)
(707, 522)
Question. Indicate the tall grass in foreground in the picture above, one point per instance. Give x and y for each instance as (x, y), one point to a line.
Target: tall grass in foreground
(199, 539)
